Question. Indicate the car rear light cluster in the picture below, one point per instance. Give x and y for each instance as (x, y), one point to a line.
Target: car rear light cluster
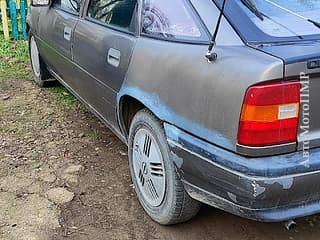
(270, 114)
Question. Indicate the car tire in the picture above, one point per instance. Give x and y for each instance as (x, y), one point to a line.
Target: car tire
(40, 72)
(158, 186)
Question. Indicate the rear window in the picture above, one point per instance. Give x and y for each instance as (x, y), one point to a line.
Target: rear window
(280, 18)
(173, 20)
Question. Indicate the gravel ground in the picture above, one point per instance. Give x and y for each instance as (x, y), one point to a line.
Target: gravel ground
(63, 175)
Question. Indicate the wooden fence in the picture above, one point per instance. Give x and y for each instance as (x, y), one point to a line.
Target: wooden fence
(13, 15)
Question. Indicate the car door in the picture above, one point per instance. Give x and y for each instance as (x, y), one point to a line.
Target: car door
(103, 44)
(56, 27)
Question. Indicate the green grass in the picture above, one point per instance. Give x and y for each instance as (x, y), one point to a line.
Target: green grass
(15, 64)
(14, 59)
(65, 99)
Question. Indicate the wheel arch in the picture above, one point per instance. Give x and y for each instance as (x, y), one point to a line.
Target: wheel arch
(129, 103)
(127, 109)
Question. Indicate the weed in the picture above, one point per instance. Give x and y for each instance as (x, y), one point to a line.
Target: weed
(14, 59)
(15, 64)
(64, 98)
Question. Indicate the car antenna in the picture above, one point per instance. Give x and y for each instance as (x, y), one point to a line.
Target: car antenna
(212, 56)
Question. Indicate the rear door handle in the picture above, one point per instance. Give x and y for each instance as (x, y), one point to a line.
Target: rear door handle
(114, 57)
(67, 33)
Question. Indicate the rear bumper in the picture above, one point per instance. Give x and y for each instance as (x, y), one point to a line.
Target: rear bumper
(269, 189)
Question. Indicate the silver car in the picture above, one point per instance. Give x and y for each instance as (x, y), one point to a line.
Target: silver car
(217, 100)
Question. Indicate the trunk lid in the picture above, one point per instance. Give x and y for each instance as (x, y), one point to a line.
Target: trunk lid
(303, 58)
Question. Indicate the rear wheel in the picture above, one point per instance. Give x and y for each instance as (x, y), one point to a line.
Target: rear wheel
(157, 184)
(40, 73)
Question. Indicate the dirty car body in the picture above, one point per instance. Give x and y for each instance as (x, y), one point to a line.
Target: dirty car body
(117, 69)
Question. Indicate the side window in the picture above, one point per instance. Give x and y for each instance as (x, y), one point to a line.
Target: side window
(72, 6)
(118, 13)
(173, 19)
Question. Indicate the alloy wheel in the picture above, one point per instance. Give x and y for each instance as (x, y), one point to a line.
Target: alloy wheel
(34, 53)
(148, 167)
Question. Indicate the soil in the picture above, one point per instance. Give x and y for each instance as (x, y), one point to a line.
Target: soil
(64, 175)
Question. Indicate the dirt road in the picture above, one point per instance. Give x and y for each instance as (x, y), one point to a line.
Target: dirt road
(63, 175)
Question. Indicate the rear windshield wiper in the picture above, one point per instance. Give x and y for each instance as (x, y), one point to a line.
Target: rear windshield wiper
(253, 8)
(317, 24)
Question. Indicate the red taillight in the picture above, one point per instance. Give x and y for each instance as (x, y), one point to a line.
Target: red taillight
(270, 114)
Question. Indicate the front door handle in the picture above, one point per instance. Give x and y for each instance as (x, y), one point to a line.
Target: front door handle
(67, 33)
(114, 57)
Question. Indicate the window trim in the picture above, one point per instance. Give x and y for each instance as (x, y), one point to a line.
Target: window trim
(113, 27)
(184, 41)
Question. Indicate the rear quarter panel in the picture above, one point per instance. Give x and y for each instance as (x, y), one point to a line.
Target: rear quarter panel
(179, 86)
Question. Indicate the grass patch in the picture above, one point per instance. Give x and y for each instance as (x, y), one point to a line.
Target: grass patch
(15, 64)
(14, 59)
(65, 99)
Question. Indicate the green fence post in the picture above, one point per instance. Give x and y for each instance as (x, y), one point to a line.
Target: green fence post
(14, 20)
(23, 14)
